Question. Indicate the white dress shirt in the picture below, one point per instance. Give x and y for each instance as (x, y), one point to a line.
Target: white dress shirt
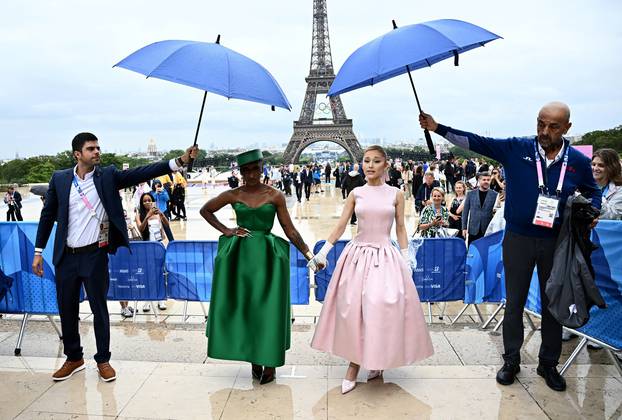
(84, 228)
(548, 161)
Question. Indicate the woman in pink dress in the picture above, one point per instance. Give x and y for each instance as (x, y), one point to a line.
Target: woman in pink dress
(372, 315)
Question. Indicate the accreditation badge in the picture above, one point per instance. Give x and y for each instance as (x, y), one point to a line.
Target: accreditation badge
(546, 211)
(104, 230)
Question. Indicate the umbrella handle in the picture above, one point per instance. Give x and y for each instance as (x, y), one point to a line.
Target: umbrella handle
(428, 140)
(189, 166)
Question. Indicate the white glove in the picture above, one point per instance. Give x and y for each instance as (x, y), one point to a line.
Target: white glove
(320, 258)
(405, 255)
(312, 265)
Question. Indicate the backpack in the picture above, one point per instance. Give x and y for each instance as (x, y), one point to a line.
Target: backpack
(6, 283)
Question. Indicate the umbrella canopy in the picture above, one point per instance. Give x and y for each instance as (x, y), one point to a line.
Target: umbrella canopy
(39, 190)
(408, 48)
(209, 67)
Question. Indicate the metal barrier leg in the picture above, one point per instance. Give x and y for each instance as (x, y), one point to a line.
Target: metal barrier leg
(530, 322)
(60, 334)
(204, 311)
(185, 316)
(443, 312)
(430, 312)
(462, 311)
(156, 311)
(22, 329)
(479, 313)
(496, 328)
(574, 355)
(135, 311)
(493, 316)
(616, 361)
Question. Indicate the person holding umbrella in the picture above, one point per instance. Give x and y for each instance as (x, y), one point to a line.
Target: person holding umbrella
(541, 172)
(85, 203)
(249, 314)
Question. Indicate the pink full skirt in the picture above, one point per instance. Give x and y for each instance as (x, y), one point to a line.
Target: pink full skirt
(372, 315)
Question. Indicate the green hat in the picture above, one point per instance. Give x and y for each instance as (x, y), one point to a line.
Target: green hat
(249, 156)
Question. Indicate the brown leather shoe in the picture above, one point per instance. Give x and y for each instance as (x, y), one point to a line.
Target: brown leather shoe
(106, 372)
(68, 369)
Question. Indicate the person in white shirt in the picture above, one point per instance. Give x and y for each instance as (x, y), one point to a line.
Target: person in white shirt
(85, 204)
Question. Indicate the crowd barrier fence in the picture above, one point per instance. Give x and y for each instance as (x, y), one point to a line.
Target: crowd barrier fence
(183, 271)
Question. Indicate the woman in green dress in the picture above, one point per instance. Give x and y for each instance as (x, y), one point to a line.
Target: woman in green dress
(249, 314)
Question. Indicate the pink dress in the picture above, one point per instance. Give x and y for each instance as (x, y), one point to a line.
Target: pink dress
(372, 315)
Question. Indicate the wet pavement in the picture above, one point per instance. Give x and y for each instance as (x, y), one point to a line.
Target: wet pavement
(163, 371)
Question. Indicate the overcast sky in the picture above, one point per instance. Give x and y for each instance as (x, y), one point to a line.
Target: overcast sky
(57, 78)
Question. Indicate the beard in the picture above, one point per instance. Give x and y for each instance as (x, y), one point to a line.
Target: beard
(548, 144)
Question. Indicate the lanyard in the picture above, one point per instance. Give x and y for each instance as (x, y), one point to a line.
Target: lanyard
(562, 174)
(85, 200)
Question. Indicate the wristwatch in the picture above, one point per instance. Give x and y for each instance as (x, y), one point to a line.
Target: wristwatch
(179, 162)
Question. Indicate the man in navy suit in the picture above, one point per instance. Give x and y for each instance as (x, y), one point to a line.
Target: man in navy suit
(86, 204)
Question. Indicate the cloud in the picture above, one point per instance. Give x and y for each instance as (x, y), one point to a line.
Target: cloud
(57, 75)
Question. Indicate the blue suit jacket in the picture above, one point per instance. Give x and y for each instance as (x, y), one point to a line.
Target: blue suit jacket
(476, 217)
(108, 181)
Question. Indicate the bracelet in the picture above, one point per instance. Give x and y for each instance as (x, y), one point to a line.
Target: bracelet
(37, 254)
(309, 255)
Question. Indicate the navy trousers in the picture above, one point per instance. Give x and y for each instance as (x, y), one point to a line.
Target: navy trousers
(520, 255)
(74, 270)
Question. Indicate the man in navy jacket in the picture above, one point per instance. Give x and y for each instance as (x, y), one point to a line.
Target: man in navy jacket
(85, 202)
(527, 242)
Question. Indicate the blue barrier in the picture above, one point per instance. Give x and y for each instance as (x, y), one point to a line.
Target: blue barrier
(190, 266)
(606, 324)
(28, 292)
(299, 277)
(322, 278)
(439, 276)
(485, 278)
(138, 275)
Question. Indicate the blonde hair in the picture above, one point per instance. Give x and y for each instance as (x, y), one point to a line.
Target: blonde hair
(439, 189)
(376, 148)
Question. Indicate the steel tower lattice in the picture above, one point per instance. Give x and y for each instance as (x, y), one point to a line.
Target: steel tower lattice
(321, 118)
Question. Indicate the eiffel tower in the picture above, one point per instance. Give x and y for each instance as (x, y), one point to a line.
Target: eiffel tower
(321, 118)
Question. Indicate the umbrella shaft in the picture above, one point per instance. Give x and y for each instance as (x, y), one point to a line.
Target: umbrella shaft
(196, 136)
(412, 83)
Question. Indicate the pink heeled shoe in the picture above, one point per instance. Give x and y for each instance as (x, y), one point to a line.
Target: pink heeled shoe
(347, 386)
(373, 374)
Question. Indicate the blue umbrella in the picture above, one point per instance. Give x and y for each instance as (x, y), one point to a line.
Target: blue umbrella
(209, 67)
(405, 49)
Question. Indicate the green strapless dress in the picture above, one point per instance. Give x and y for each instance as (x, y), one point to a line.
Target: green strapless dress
(249, 314)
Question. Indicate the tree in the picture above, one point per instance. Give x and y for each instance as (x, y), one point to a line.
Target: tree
(600, 139)
(41, 172)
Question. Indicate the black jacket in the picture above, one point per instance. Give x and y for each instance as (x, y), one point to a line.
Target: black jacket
(570, 288)
(350, 181)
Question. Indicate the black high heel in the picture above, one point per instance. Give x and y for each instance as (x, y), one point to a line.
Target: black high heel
(267, 377)
(257, 371)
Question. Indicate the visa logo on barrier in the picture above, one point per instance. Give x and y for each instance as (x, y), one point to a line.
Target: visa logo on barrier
(140, 286)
